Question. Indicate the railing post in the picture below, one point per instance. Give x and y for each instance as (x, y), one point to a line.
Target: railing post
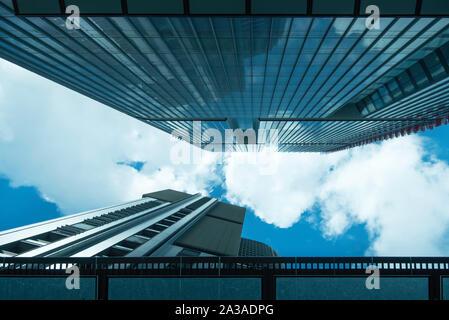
(102, 282)
(180, 266)
(268, 285)
(435, 286)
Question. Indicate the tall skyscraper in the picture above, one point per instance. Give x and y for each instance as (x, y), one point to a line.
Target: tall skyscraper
(327, 74)
(252, 248)
(167, 223)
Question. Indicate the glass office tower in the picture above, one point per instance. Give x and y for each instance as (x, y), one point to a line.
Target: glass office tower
(252, 248)
(167, 223)
(173, 245)
(317, 71)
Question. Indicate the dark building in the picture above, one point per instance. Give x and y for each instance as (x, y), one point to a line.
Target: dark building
(311, 69)
(252, 248)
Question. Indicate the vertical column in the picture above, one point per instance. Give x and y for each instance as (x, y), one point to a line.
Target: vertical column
(268, 285)
(102, 287)
(102, 283)
(434, 287)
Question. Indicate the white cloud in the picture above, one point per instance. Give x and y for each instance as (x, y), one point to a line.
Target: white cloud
(68, 147)
(282, 197)
(399, 196)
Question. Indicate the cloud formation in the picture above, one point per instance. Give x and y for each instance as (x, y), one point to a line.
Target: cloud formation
(396, 189)
(70, 147)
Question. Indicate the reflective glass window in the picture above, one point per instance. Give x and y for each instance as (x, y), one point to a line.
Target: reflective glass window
(279, 7)
(445, 51)
(434, 65)
(217, 6)
(406, 83)
(391, 7)
(333, 7)
(184, 288)
(350, 288)
(45, 288)
(157, 7)
(98, 6)
(385, 95)
(38, 7)
(419, 75)
(394, 88)
(377, 100)
(370, 105)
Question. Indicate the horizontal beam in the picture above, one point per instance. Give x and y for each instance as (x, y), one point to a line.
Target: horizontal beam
(183, 119)
(420, 120)
(438, 263)
(323, 8)
(297, 119)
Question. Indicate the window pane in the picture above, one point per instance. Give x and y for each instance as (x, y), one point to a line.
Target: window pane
(394, 88)
(158, 7)
(217, 6)
(38, 7)
(98, 6)
(185, 288)
(385, 95)
(433, 63)
(45, 288)
(445, 50)
(346, 288)
(370, 105)
(377, 101)
(406, 82)
(419, 75)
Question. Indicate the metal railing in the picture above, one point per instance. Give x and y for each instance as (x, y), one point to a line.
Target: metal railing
(268, 269)
(228, 265)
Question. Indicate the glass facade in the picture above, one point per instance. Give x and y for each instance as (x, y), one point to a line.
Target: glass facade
(421, 74)
(445, 287)
(161, 287)
(351, 288)
(235, 71)
(242, 7)
(165, 223)
(185, 288)
(45, 288)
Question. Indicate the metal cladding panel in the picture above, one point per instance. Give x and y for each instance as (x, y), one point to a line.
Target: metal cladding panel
(167, 195)
(184, 288)
(228, 212)
(435, 7)
(234, 7)
(252, 248)
(391, 7)
(445, 287)
(45, 288)
(157, 7)
(214, 236)
(351, 288)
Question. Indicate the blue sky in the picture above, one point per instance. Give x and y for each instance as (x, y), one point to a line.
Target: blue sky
(302, 238)
(63, 153)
